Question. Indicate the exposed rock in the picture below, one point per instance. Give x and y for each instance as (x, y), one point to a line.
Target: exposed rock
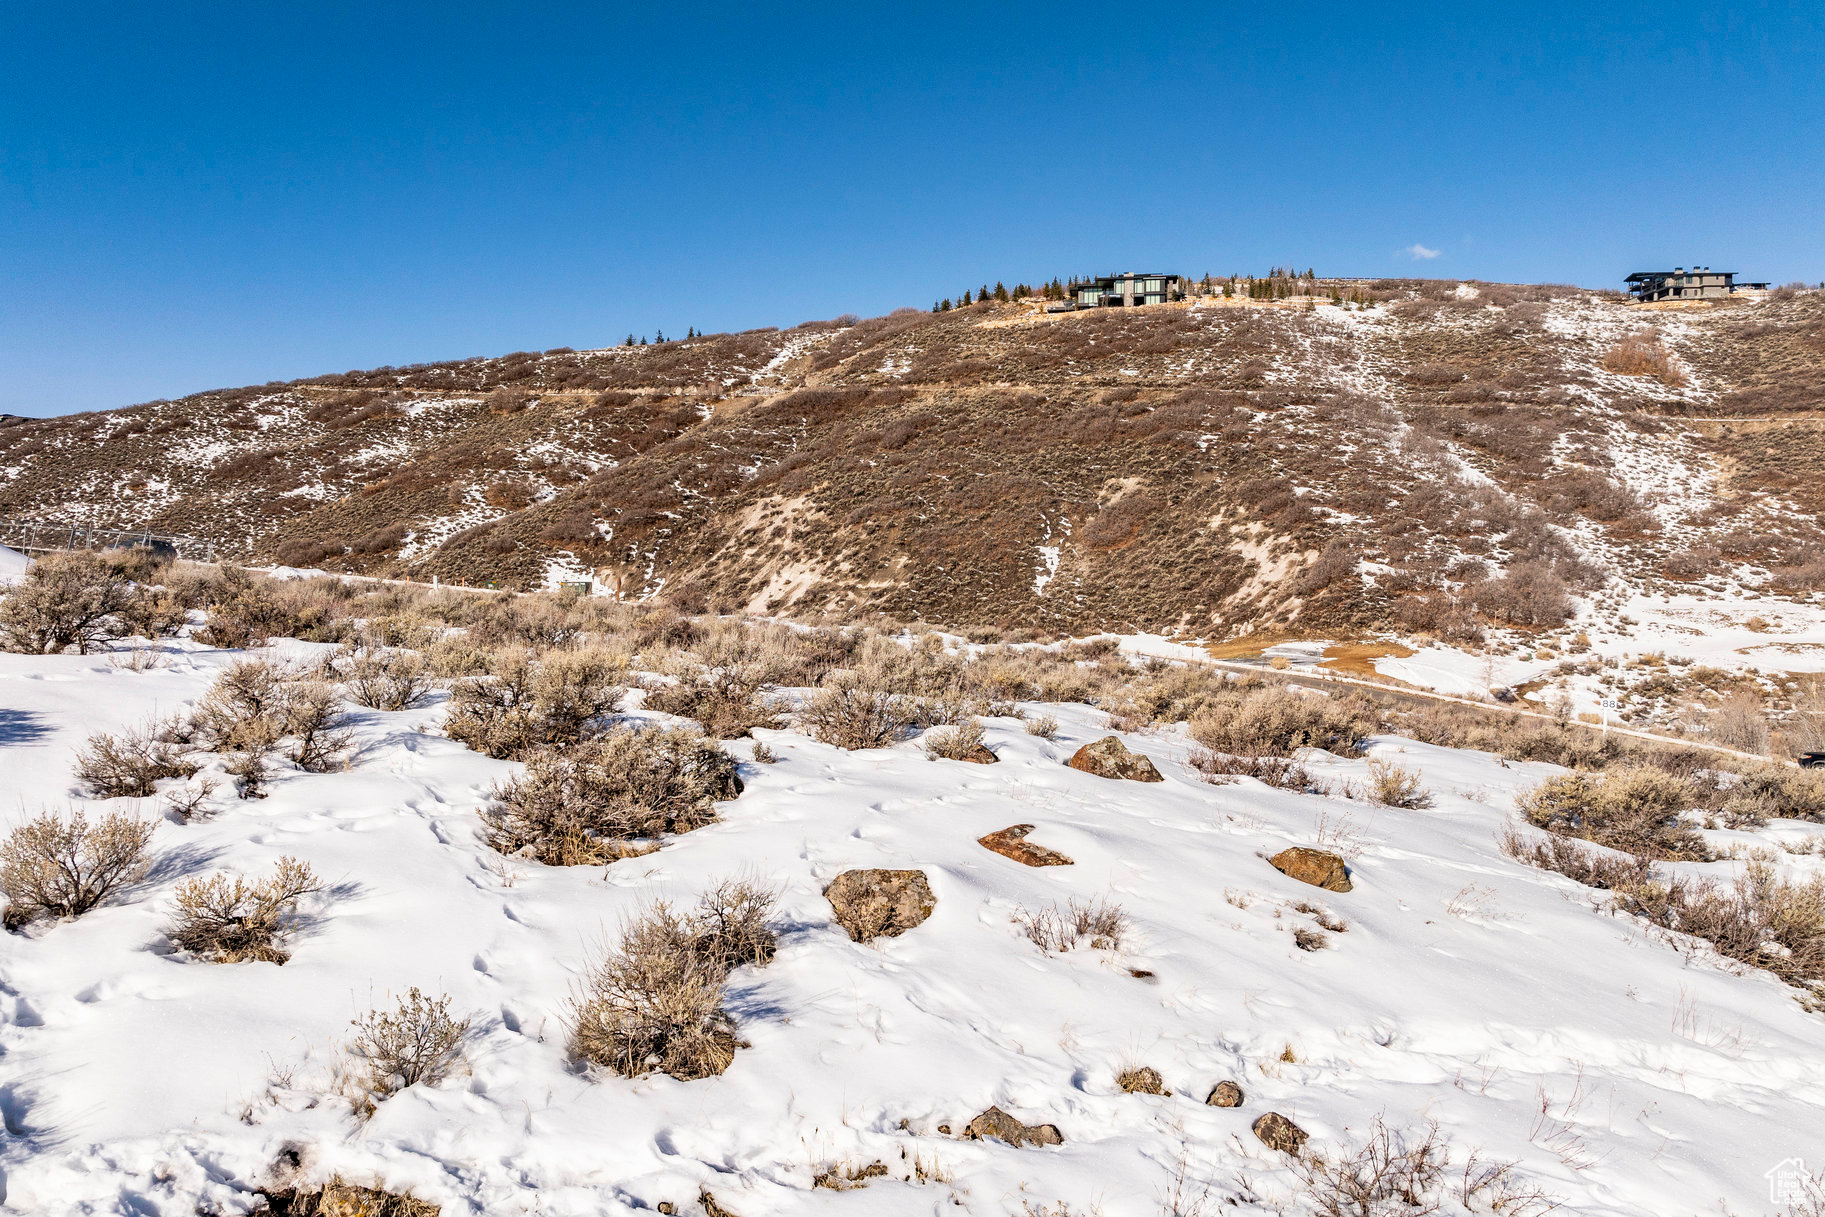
(1010, 842)
(1142, 1080)
(880, 903)
(1317, 867)
(1278, 1132)
(981, 754)
(999, 1124)
(1108, 758)
(1224, 1094)
(711, 1208)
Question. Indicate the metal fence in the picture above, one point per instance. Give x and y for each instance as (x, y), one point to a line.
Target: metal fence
(39, 536)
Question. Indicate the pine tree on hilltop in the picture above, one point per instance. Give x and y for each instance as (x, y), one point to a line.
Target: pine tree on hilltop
(966, 296)
(629, 342)
(1001, 293)
(947, 305)
(983, 295)
(661, 337)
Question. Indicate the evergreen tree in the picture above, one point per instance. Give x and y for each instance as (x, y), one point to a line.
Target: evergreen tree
(643, 340)
(935, 307)
(1001, 293)
(966, 296)
(983, 295)
(629, 342)
(946, 305)
(661, 337)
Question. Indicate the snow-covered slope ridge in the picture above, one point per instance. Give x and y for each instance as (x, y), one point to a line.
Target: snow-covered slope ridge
(1617, 1073)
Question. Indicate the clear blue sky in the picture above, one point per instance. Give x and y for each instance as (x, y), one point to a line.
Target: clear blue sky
(194, 195)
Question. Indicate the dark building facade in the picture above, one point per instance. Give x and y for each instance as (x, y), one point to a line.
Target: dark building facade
(1698, 283)
(1125, 290)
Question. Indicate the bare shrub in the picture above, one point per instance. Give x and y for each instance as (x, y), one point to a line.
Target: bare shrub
(416, 1041)
(319, 727)
(1531, 593)
(339, 1198)
(1044, 726)
(1392, 786)
(1280, 772)
(1410, 1174)
(528, 702)
(229, 920)
(1052, 930)
(581, 804)
(852, 717)
(959, 743)
(67, 600)
(383, 678)
(1763, 792)
(1740, 722)
(57, 867)
(131, 764)
(1271, 721)
(1643, 354)
(1605, 870)
(655, 1002)
(1635, 810)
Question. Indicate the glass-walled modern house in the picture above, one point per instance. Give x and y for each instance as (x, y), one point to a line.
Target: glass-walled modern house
(1126, 290)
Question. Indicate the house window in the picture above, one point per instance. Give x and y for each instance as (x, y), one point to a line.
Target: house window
(1155, 285)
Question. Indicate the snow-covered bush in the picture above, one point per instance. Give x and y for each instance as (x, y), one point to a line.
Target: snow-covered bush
(67, 600)
(1635, 810)
(54, 866)
(1053, 930)
(529, 701)
(228, 920)
(129, 765)
(578, 805)
(416, 1041)
(852, 716)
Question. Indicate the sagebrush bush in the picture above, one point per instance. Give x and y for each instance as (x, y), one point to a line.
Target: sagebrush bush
(581, 804)
(226, 919)
(962, 742)
(254, 706)
(415, 1042)
(1633, 810)
(130, 765)
(852, 716)
(67, 600)
(1394, 786)
(246, 610)
(725, 688)
(1282, 773)
(383, 677)
(1272, 721)
(1643, 354)
(655, 1002)
(527, 701)
(54, 866)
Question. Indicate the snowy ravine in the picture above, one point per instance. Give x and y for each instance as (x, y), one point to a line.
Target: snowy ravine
(1621, 1075)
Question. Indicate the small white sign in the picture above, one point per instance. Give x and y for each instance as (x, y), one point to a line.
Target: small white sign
(1610, 703)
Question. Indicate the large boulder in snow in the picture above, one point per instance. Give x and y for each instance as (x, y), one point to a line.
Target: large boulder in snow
(1011, 842)
(880, 903)
(999, 1124)
(1318, 867)
(1108, 758)
(1278, 1132)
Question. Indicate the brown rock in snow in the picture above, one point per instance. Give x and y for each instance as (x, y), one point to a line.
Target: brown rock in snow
(1314, 866)
(1109, 758)
(1010, 842)
(880, 903)
(999, 1124)
(1224, 1094)
(1278, 1132)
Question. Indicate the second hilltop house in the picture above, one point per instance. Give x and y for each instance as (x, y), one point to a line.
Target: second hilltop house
(1698, 283)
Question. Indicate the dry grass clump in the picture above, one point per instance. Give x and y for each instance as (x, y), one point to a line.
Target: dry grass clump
(531, 701)
(962, 742)
(417, 1041)
(54, 866)
(382, 677)
(1633, 810)
(229, 920)
(131, 764)
(67, 600)
(1102, 922)
(582, 804)
(1282, 773)
(1411, 1174)
(655, 1002)
(339, 1198)
(852, 716)
(246, 610)
(1043, 726)
(1266, 720)
(1394, 786)
(1643, 354)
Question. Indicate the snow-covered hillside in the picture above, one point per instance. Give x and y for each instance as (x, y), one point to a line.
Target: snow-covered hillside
(1617, 1074)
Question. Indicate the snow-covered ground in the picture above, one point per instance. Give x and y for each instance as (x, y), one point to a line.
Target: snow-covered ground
(1619, 1074)
(12, 566)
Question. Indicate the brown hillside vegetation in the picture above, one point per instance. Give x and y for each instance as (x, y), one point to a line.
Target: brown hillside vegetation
(1455, 455)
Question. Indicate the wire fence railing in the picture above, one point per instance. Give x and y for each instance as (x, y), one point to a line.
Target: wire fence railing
(42, 536)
